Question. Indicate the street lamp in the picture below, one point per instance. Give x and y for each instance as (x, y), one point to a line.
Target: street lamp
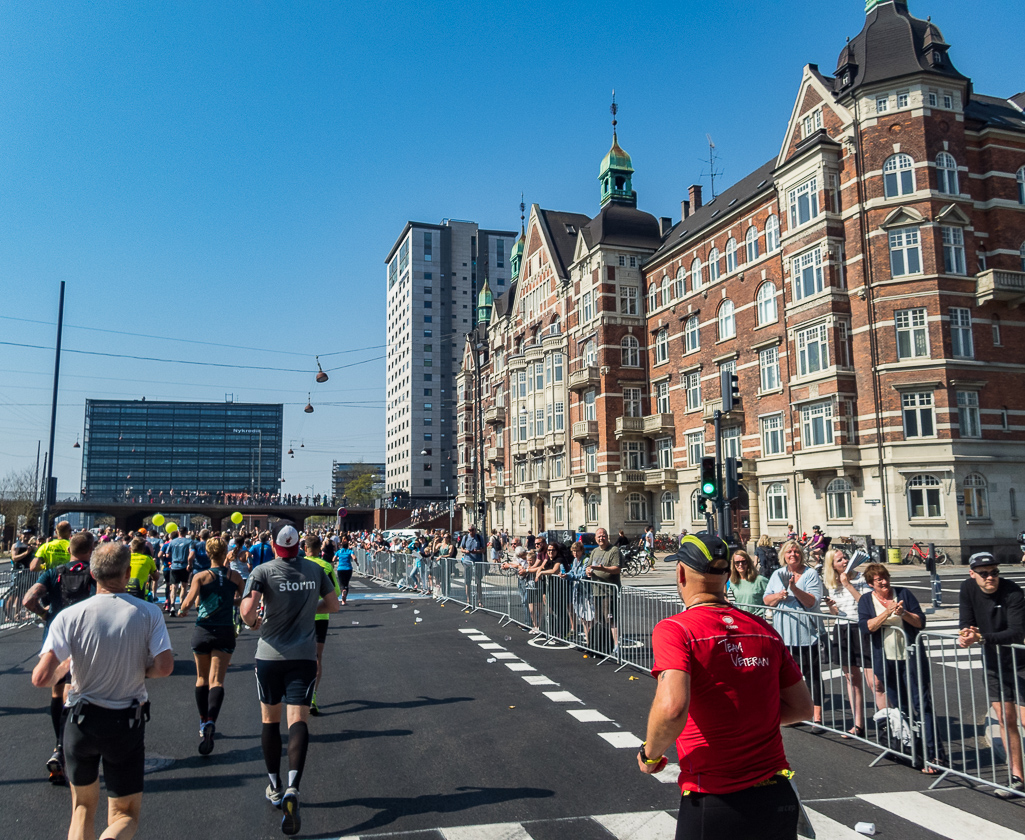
(479, 338)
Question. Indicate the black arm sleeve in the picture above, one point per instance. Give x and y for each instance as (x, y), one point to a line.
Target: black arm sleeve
(966, 609)
(1014, 605)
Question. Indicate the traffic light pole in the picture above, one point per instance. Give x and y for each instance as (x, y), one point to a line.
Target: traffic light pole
(721, 505)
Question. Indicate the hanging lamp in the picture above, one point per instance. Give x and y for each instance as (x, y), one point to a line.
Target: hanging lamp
(309, 405)
(321, 376)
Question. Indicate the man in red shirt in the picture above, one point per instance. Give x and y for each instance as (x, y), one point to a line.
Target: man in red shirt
(726, 683)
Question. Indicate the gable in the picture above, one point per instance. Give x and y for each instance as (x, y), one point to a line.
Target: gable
(813, 95)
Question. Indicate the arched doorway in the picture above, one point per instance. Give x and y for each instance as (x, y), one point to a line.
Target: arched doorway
(740, 516)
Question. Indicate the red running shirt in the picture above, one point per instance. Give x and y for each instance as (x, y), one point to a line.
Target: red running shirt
(737, 665)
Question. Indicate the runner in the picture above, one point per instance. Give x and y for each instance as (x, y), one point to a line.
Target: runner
(55, 552)
(344, 558)
(293, 591)
(734, 778)
(112, 642)
(144, 570)
(261, 552)
(198, 559)
(179, 551)
(313, 547)
(215, 591)
(61, 587)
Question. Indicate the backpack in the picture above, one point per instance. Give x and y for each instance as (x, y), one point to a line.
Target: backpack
(75, 583)
(771, 557)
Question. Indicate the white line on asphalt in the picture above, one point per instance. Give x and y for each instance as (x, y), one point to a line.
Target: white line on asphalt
(669, 776)
(519, 666)
(480, 638)
(645, 826)
(468, 630)
(505, 654)
(491, 646)
(496, 831)
(562, 697)
(589, 716)
(539, 679)
(621, 740)
(944, 819)
(829, 829)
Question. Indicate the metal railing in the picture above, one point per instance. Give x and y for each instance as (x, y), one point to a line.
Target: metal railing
(14, 585)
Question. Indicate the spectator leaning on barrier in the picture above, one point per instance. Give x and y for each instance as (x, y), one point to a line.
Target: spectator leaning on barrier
(747, 586)
(21, 552)
(472, 548)
(603, 566)
(992, 613)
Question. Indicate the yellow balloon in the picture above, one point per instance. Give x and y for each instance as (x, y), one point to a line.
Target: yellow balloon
(171, 527)
(158, 519)
(236, 517)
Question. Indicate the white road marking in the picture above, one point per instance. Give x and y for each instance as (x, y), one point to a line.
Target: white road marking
(829, 829)
(589, 716)
(490, 646)
(519, 666)
(480, 638)
(538, 679)
(944, 819)
(468, 630)
(496, 831)
(657, 825)
(562, 697)
(505, 654)
(621, 740)
(669, 776)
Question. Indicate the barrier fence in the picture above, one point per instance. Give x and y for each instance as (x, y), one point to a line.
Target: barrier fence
(14, 585)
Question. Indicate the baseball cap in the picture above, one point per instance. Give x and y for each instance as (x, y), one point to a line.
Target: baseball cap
(982, 558)
(699, 551)
(285, 539)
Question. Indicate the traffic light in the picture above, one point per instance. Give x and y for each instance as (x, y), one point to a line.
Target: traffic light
(709, 483)
(730, 390)
(731, 478)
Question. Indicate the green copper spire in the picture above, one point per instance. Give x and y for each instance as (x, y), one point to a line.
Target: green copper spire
(616, 168)
(871, 4)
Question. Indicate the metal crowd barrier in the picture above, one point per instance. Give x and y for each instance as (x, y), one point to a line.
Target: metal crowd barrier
(14, 585)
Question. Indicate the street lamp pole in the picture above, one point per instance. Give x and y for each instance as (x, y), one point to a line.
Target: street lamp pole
(485, 305)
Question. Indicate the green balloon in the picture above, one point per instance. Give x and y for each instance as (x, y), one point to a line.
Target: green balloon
(171, 527)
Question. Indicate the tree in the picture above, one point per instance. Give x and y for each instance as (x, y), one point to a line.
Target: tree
(18, 497)
(359, 492)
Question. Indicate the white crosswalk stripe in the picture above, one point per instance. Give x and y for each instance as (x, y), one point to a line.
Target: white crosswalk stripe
(940, 817)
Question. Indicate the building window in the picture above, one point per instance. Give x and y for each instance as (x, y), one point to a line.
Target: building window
(713, 265)
(838, 499)
(1021, 185)
(524, 512)
(912, 334)
(751, 244)
(807, 271)
(590, 354)
(817, 424)
(539, 376)
(692, 385)
(592, 508)
(664, 452)
(812, 122)
(667, 292)
(695, 448)
(668, 507)
(589, 405)
(995, 325)
(727, 320)
(652, 297)
(633, 452)
(968, 414)
(631, 348)
(776, 502)
(932, 99)
(622, 260)
(731, 255)
(804, 203)
(500, 253)
(632, 402)
(771, 234)
(882, 104)
(662, 346)
(812, 350)
(961, 343)
(628, 300)
(898, 176)
(560, 417)
(773, 442)
(661, 397)
(976, 499)
(691, 334)
(1021, 255)
(768, 368)
(697, 507)
(680, 285)
(696, 278)
(587, 307)
(558, 510)
(902, 100)
(591, 459)
(428, 247)
(919, 418)
(636, 508)
(953, 250)
(924, 497)
(905, 251)
(766, 300)
(731, 446)
(558, 367)
(946, 174)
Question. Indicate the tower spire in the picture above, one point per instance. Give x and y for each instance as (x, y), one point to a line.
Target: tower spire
(523, 207)
(614, 109)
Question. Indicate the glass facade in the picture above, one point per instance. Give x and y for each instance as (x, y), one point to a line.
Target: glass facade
(146, 446)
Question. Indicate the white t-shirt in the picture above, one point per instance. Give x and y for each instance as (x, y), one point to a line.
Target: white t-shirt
(111, 640)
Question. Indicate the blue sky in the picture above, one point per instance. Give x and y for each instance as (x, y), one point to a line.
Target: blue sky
(235, 173)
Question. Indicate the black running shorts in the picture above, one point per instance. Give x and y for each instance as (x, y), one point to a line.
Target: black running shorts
(105, 735)
(206, 640)
(765, 812)
(344, 576)
(320, 625)
(179, 577)
(291, 681)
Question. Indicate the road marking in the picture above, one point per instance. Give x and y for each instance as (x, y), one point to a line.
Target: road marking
(506, 654)
(562, 697)
(491, 646)
(519, 666)
(480, 638)
(469, 630)
(589, 716)
(830, 829)
(944, 819)
(496, 831)
(621, 740)
(669, 776)
(538, 679)
(644, 826)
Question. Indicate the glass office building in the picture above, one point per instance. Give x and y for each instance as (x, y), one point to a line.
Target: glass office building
(143, 446)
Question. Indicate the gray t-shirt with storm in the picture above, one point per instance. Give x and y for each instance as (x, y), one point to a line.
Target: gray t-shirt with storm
(291, 590)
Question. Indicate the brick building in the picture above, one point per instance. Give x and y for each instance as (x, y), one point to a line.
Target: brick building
(863, 284)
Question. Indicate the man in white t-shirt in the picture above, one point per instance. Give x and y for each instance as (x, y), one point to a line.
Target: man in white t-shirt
(111, 642)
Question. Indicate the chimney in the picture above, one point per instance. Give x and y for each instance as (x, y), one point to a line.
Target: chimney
(665, 224)
(695, 196)
(684, 209)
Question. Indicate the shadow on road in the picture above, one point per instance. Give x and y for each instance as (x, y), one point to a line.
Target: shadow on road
(367, 705)
(358, 735)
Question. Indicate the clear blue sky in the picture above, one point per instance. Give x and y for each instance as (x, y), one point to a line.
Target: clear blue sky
(235, 172)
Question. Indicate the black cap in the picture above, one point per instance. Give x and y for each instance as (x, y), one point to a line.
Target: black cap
(700, 551)
(982, 558)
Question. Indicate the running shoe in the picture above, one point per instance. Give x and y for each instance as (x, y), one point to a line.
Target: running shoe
(56, 767)
(275, 795)
(1016, 785)
(313, 705)
(206, 734)
(290, 821)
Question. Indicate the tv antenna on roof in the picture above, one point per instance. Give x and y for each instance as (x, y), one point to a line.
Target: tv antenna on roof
(712, 158)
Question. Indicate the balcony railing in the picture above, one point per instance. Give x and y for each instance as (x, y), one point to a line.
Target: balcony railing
(496, 454)
(629, 426)
(584, 378)
(629, 478)
(997, 284)
(495, 415)
(585, 480)
(664, 478)
(711, 406)
(539, 485)
(658, 425)
(585, 430)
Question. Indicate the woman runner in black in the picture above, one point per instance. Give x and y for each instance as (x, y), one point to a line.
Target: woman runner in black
(215, 591)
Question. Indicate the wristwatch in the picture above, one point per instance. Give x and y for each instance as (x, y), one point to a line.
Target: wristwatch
(644, 756)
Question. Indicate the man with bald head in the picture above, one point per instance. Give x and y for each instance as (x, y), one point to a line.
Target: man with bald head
(55, 552)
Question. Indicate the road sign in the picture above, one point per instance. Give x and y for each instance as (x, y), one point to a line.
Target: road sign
(872, 501)
(341, 513)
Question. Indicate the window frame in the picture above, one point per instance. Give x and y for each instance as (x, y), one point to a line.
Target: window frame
(905, 242)
(726, 320)
(731, 255)
(772, 237)
(765, 299)
(947, 179)
(776, 502)
(962, 342)
(815, 417)
(838, 499)
(969, 415)
(803, 202)
(692, 334)
(915, 325)
(751, 244)
(930, 485)
(630, 348)
(662, 346)
(768, 369)
(976, 496)
(692, 389)
(807, 274)
(667, 506)
(921, 407)
(899, 175)
(804, 340)
(772, 430)
(954, 261)
(628, 300)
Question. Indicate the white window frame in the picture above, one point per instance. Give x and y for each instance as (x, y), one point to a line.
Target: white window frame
(560, 416)
(558, 511)
(947, 181)
(768, 369)
(593, 505)
(898, 175)
(664, 453)
(668, 506)
(918, 414)
(774, 440)
(768, 312)
(695, 448)
(652, 296)
(631, 349)
(927, 491)
(976, 497)
(803, 201)
(812, 349)
(680, 286)
(962, 345)
(905, 251)
(632, 402)
(912, 329)
(732, 444)
(662, 398)
(692, 334)
(697, 276)
(776, 502)
(772, 238)
(628, 300)
(590, 400)
(713, 265)
(807, 273)
(667, 290)
(969, 420)
(692, 388)
(586, 307)
(634, 454)
(636, 508)
(727, 320)
(838, 499)
(662, 346)
(817, 424)
(751, 244)
(731, 255)
(953, 250)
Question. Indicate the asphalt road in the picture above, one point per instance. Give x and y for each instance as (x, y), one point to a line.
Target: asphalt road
(421, 733)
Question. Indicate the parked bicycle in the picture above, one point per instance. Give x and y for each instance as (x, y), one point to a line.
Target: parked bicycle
(666, 542)
(635, 561)
(917, 554)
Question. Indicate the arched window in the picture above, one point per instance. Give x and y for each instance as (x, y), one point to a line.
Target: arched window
(924, 497)
(691, 334)
(524, 512)
(697, 279)
(681, 283)
(667, 293)
(766, 300)
(838, 499)
(662, 346)
(898, 175)
(751, 244)
(631, 351)
(1021, 185)
(946, 174)
(636, 508)
(713, 265)
(776, 501)
(590, 354)
(668, 507)
(652, 297)
(727, 321)
(976, 497)
(696, 506)
(771, 234)
(592, 508)
(731, 255)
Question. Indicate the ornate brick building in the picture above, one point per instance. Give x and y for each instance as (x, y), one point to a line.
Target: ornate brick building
(864, 284)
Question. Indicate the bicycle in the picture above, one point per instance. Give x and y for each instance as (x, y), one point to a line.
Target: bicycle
(666, 542)
(916, 554)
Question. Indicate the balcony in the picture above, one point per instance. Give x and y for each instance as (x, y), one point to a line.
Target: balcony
(711, 406)
(585, 430)
(539, 485)
(629, 426)
(996, 284)
(496, 454)
(584, 480)
(586, 377)
(555, 439)
(659, 478)
(629, 480)
(658, 425)
(830, 459)
(495, 415)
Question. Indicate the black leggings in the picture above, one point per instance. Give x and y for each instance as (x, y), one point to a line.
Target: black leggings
(764, 812)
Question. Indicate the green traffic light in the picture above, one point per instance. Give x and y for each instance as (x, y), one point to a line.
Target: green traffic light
(708, 488)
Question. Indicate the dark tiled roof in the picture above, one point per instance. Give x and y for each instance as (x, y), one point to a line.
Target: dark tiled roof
(994, 111)
(559, 225)
(625, 226)
(745, 189)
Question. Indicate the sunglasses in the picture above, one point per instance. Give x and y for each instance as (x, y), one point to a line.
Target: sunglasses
(987, 573)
